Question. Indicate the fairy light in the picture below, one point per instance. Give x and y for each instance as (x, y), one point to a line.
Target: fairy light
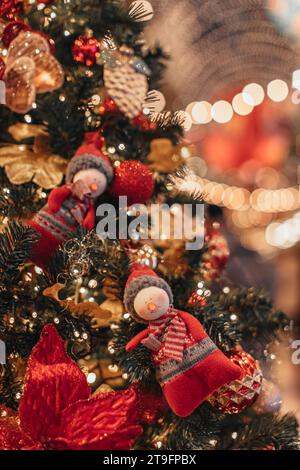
(201, 112)
(237, 198)
(253, 94)
(222, 111)
(91, 378)
(278, 90)
(240, 106)
(284, 235)
(56, 320)
(243, 103)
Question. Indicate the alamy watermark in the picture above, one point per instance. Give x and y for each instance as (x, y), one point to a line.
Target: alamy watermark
(153, 222)
(2, 352)
(2, 92)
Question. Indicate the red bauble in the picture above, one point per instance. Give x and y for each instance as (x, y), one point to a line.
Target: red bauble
(143, 123)
(12, 30)
(2, 68)
(134, 180)
(152, 406)
(85, 50)
(238, 395)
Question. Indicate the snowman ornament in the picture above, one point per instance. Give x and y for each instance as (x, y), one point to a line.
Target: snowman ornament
(189, 366)
(88, 175)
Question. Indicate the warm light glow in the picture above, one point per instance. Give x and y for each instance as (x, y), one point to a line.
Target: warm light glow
(201, 112)
(222, 111)
(240, 106)
(91, 378)
(253, 94)
(296, 79)
(278, 90)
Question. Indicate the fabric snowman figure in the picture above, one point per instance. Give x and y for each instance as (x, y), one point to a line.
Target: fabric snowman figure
(189, 366)
(88, 175)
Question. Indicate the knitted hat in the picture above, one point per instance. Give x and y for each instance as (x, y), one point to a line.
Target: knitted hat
(89, 156)
(140, 278)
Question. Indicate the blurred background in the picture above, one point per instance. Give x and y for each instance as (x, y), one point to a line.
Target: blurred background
(235, 72)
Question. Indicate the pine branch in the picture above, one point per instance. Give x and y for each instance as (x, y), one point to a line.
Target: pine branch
(16, 244)
(279, 433)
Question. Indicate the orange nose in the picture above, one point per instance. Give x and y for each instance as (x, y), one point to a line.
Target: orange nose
(151, 307)
(94, 186)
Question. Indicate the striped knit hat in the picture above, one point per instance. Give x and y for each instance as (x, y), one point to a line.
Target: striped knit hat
(89, 155)
(140, 278)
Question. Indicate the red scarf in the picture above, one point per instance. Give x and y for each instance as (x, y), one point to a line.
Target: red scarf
(167, 332)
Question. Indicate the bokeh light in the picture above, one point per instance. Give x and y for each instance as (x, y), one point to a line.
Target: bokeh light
(278, 90)
(222, 111)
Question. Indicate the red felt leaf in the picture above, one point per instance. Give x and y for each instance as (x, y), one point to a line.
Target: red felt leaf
(53, 381)
(11, 435)
(107, 421)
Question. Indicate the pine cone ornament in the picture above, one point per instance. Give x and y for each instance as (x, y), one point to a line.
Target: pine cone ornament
(126, 82)
(239, 394)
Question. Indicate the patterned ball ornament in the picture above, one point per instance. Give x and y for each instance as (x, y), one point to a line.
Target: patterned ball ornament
(133, 179)
(238, 395)
(86, 50)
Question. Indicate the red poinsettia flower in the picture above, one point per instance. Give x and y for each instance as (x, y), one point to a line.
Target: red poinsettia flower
(57, 411)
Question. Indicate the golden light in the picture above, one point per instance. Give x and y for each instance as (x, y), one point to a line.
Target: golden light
(222, 111)
(278, 90)
(240, 106)
(253, 94)
(201, 112)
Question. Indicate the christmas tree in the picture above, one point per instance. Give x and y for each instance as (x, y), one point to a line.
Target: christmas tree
(82, 125)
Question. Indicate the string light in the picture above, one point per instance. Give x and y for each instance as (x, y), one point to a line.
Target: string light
(237, 198)
(253, 94)
(243, 103)
(284, 235)
(240, 106)
(222, 111)
(278, 90)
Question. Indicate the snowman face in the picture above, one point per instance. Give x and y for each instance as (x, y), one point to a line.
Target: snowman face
(94, 180)
(151, 303)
